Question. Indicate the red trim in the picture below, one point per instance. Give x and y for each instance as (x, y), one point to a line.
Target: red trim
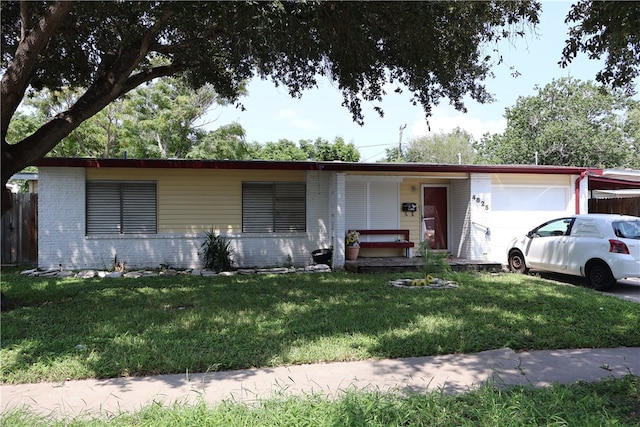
(309, 165)
(605, 183)
(174, 164)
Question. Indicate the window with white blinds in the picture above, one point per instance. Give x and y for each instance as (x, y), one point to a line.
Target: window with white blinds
(121, 207)
(269, 207)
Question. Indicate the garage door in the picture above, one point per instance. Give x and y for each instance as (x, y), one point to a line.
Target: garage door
(517, 209)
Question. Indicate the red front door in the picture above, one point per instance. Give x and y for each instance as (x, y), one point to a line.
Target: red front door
(434, 213)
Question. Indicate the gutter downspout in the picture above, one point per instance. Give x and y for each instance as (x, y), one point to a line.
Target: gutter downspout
(577, 190)
(583, 175)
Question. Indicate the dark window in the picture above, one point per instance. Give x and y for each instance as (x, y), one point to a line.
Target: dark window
(121, 207)
(273, 207)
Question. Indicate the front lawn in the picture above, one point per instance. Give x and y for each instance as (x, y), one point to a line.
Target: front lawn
(100, 328)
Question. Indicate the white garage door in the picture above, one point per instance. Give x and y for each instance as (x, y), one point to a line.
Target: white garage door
(517, 209)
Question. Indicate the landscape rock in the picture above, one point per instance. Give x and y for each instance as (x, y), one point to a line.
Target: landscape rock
(136, 274)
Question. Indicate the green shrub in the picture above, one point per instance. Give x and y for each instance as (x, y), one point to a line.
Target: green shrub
(217, 252)
(433, 263)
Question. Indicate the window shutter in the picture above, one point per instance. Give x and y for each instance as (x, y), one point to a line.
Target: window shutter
(290, 207)
(115, 207)
(274, 207)
(103, 207)
(257, 207)
(139, 209)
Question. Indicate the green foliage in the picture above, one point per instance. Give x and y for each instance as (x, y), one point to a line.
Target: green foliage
(226, 142)
(610, 29)
(433, 263)
(217, 252)
(568, 123)
(112, 49)
(439, 148)
(318, 150)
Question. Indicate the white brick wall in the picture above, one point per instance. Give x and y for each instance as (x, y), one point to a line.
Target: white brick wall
(479, 217)
(460, 217)
(62, 240)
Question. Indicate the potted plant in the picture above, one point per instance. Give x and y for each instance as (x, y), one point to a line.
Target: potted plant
(352, 243)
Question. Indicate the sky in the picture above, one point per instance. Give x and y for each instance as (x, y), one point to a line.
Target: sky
(271, 114)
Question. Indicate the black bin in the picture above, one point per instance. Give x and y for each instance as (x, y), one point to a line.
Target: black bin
(322, 256)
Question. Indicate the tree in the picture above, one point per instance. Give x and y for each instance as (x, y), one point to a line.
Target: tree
(225, 143)
(570, 123)
(439, 148)
(160, 118)
(325, 151)
(435, 49)
(319, 150)
(610, 28)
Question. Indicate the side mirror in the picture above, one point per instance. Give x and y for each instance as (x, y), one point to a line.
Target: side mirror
(531, 234)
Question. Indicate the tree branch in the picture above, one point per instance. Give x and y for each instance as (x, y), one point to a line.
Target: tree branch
(20, 69)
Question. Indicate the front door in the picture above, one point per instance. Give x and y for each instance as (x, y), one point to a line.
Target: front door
(434, 216)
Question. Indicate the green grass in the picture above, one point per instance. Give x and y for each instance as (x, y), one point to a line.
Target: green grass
(101, 328)
(611, 402)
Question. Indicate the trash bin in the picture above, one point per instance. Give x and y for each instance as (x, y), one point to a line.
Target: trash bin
(322, 256)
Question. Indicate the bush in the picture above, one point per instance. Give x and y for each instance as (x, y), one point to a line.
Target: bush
(433, 263)
(217, 252)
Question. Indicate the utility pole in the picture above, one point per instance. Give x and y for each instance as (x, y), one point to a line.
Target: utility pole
(402, 127)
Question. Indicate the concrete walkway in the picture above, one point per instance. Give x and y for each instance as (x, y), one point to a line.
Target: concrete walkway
(451, 373)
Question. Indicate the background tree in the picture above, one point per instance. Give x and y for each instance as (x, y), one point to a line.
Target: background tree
(570, 123)
(225, 143)
(325, 151)
(319, 150)
(439, 148)
(159, 119)
(435, 49)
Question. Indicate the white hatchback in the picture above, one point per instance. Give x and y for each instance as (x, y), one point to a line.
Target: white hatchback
(601, 247)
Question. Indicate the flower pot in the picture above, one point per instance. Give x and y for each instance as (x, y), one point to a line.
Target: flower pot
(352, 253)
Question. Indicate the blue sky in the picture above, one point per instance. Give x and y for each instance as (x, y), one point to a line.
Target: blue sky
(271, 114)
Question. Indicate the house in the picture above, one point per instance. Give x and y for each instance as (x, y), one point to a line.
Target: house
(94, 212)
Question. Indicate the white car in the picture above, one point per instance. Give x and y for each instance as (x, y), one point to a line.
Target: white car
(601, 247)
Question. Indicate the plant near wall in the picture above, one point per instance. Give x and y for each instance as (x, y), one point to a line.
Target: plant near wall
(217, 252)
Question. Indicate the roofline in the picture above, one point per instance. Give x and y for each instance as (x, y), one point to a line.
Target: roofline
(309, 165)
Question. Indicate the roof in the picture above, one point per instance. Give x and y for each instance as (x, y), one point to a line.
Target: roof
(310, 165)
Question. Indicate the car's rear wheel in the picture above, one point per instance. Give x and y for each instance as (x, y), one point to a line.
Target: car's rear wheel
(599, 276)
(516, 262)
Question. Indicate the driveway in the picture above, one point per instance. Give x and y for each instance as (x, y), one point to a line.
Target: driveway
(628, 289)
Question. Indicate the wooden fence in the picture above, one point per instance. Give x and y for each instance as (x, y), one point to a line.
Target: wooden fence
(626, 206)
(20, 230)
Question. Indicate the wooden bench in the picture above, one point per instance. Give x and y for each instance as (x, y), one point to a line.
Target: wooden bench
(403, 243)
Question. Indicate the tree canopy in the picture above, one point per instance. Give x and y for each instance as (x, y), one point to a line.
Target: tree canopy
(435, 49)
(571, 123)
(447, 148)
(606, 28)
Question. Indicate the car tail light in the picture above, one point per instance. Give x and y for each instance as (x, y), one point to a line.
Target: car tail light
(618, 247)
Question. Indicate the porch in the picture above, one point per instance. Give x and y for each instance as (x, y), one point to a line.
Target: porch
(402, 264)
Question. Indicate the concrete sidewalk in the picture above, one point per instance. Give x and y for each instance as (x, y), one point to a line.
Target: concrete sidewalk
(451, 373)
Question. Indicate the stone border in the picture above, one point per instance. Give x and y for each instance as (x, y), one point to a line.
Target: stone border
(435, 283)
(135, 274)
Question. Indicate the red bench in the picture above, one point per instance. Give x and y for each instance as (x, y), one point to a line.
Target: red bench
(402, 243)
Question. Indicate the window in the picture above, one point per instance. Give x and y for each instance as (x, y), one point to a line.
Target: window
(121, 207)
(273, 207)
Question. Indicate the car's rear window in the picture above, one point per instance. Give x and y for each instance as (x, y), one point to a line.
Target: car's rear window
(627, 229)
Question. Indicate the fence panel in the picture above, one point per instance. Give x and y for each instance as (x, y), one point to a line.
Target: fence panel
(625, 206)
(20, 230)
